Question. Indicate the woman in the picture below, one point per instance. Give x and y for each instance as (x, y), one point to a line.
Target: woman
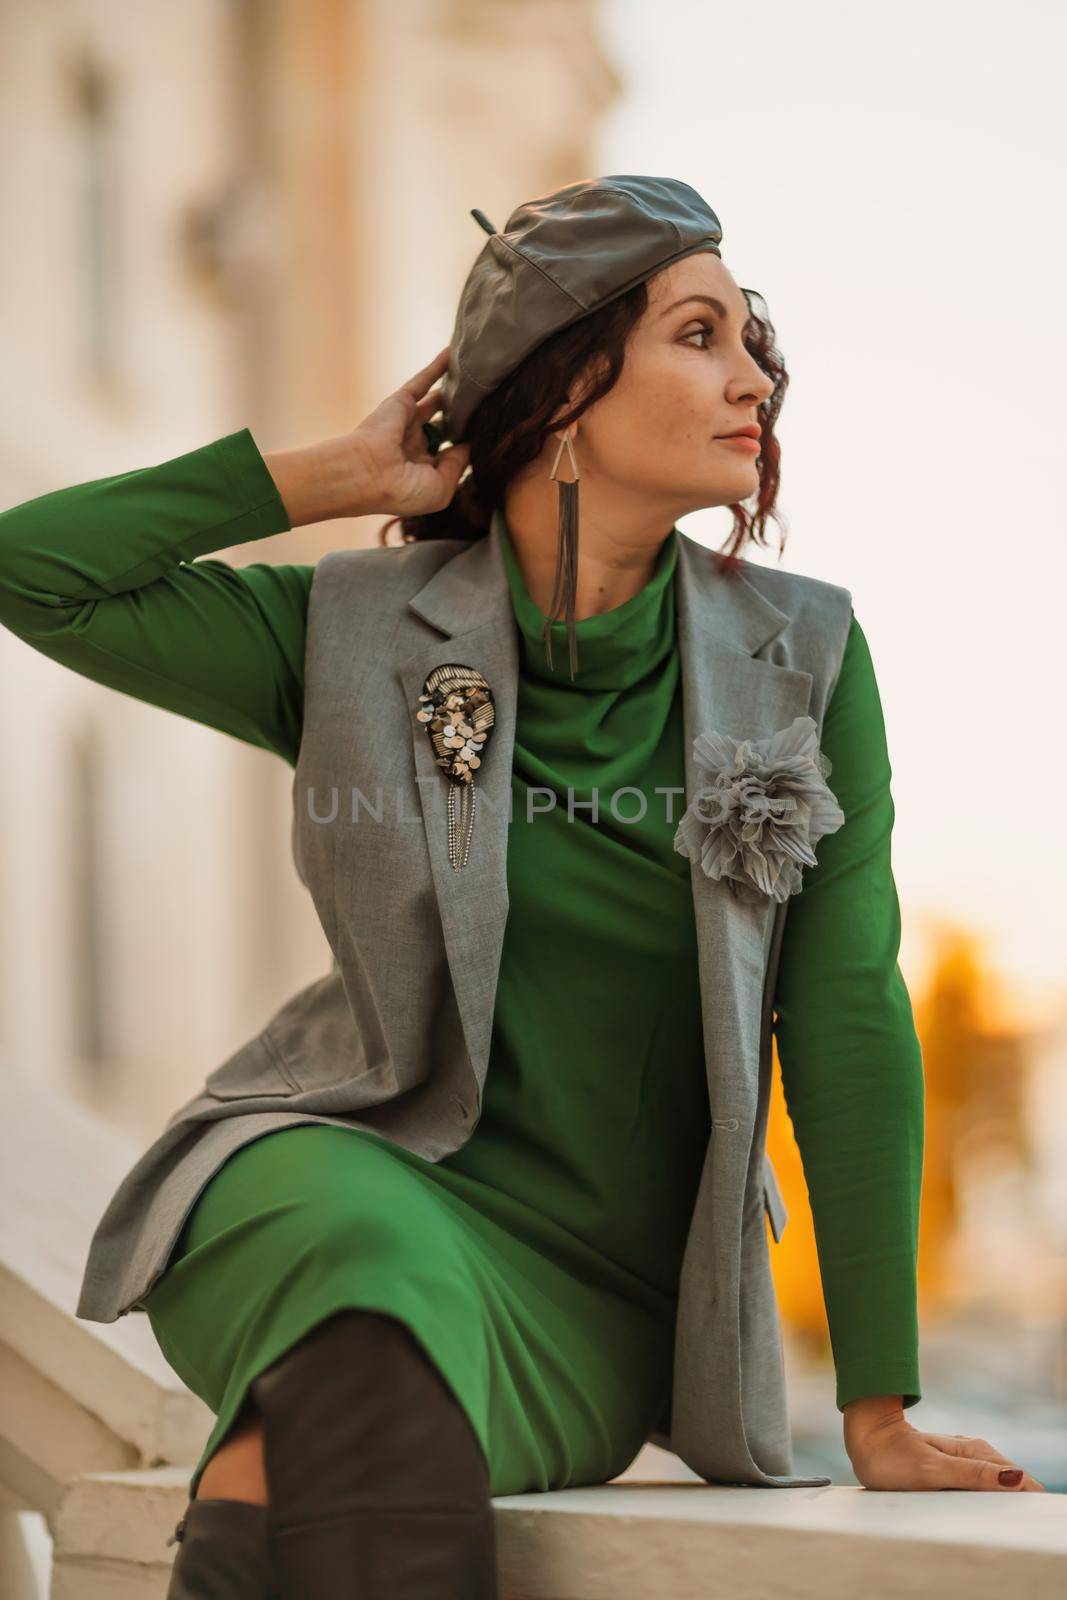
(395, 1319)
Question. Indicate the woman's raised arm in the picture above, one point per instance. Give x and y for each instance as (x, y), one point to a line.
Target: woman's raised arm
(102, 578)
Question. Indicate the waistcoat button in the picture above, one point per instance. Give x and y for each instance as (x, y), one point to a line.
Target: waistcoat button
(462, 1104)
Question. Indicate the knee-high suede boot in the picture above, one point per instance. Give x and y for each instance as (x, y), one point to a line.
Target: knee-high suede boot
(223, 1553)
(378, 1485)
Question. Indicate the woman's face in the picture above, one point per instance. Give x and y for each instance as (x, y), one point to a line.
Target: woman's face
(686, 381)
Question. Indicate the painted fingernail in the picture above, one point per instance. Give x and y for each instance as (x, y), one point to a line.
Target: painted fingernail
(1011, 1476)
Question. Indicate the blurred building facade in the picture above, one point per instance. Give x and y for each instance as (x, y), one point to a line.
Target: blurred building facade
(224, 214)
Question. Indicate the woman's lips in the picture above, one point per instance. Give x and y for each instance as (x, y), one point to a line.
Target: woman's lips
(741, 441)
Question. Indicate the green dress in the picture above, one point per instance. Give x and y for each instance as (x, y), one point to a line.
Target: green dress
(538, 1265)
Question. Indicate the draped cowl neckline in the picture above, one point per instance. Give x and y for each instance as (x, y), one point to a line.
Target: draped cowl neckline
(616, 648)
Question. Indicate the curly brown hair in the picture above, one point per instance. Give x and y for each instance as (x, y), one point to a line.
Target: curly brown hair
(509, 428)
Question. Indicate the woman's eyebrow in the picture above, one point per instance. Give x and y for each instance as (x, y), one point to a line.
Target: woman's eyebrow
(710, 300)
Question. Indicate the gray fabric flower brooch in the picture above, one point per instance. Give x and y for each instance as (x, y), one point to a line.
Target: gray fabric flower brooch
(458, 711)
(767, 803)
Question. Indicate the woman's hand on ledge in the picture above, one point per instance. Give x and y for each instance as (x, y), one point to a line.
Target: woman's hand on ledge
(886, 1452)
(383, 466)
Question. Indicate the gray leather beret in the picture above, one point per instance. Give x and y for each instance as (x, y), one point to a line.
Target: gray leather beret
(558, 258)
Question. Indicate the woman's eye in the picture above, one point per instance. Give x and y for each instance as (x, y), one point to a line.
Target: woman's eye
(705, 327)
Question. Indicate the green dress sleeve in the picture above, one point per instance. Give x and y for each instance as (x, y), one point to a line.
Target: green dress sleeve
(851, 1060)
(102, 577)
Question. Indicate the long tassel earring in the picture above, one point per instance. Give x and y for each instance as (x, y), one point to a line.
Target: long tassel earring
(566, 583)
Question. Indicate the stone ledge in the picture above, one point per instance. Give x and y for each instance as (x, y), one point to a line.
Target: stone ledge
(629, 1541)
(693, 1541)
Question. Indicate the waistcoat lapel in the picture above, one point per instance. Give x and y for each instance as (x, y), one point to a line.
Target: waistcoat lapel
(469, 601)
(722, 623)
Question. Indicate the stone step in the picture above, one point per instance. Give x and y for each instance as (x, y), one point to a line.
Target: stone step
(60, 1165)
(637, 1538)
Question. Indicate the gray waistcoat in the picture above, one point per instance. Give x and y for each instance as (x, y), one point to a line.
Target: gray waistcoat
(395, 1037)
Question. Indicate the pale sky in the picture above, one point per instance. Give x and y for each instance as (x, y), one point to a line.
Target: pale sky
(891, 181)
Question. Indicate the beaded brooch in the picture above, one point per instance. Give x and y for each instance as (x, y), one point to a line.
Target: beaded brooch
(458, 711)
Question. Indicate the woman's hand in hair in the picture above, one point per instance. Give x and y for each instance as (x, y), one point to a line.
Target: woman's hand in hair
(399, 475)
(382, 467)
